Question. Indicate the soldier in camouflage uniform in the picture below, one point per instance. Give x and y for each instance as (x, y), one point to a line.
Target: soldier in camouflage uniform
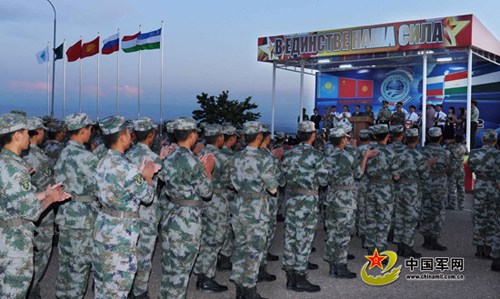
(381, 171)
(397, 146)
(483, 162)
(273, 204)
(76, 167)
(408, 199)
(344, 167)
(456, 177)
(149, 213)
(224, 262)
(19, 206)
(55, 142)
(122, 186)
(42, 177)
(434, 191)
(188, 180)
(361, 184)
(252, 176)
(215, 213)
(305, 171)
(495, 247)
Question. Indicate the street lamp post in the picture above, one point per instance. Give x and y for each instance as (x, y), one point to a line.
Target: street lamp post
(53, 61)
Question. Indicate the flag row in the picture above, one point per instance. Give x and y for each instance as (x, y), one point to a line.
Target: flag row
(129, 43)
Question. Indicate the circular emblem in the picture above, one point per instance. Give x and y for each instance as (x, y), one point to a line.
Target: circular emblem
(47, 172)
(396, 86)
(25, 185)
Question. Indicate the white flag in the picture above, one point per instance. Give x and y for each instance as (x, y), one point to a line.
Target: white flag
(43, 56)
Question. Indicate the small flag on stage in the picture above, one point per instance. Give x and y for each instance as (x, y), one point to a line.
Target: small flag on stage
(74, 51)
(43, 56)
(110, 44)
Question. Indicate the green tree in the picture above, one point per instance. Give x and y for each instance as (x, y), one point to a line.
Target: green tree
(220, 109)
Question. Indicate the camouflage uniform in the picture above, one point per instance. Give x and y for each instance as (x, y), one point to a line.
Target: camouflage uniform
(227, 248)
(495, 250)
(341, 201)
(484, 163)
(361, 194)
(186, 184)
(251, 175)
(149, 214)
(435, 188)
(121, 189)
(305, 170)
(44, 231)
(398, 148)
(76, 167)
(215, 212)
(53, 148)
(456, 178)
(19, 206)
(100, 151)
(408, 200)
(380, 171)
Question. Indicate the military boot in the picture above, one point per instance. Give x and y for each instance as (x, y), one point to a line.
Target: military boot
(434, 245)
(350, 256)
(208, 284)
(479, 251)
(271, 257)
(35, 292)
(409, 252)
(251, 293)
(487, 252)
(401, 250)
(341, 271)
(240, 292)
(303, 285)
(495, 266)
(427, 242)
(264, 276)
(311, 266)
(224, 263)
(290, 279)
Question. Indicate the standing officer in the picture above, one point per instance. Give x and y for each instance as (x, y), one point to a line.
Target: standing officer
(187, 182)
(456, 179)
(76, 167)
(252, 176)
(305, 171)
(435, 191)
(122, 186)
(483, 163)
(149, 213)
(20, 205)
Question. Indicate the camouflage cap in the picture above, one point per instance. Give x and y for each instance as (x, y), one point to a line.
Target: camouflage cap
(265, 129)
(213, 130)
(364, 133)
(338, 132)
(170, 126)
(435, 132)
(143, 124)
(413, 132)
(380, 129)
(370, 130)
(76, 121)
(184, 123)
(229, 129)
(23, 113)
(280, 135)
(112, 124)
(306, 126)
(489, 135)
(397, 129)
(56, 126)
(251, 127)
(130, 125)
(11, 122)
(344, 124)
(35, 123)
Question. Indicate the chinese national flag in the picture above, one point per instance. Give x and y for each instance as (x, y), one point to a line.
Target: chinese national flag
(347, 88)
(365, 89)
(90, 48)
(73, 52)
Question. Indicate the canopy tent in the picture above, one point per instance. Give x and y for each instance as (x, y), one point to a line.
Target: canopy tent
(458, 39)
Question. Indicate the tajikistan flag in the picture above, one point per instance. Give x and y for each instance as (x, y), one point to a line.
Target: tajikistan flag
(141, 41)
(456, 83)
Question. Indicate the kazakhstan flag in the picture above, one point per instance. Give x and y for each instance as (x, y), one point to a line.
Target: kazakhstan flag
(327, 86)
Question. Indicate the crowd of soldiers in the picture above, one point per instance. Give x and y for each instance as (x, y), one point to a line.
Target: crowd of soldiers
(109, 190)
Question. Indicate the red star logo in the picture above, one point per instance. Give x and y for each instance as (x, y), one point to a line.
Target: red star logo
(375, 259)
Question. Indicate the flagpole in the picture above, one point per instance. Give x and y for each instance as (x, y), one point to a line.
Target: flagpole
(117, 73)
(161, 76)
(80, 90)
(139, 83)
(98, 59)
(64, 80)
(53, 60)
(48, 80)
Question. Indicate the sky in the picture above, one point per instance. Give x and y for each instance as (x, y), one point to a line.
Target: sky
(209, 46)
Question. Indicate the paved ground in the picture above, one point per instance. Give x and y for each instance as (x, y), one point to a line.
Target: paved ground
(479, 282)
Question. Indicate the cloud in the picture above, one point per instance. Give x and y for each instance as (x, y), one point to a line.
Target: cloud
(128, 90)
(18, 85)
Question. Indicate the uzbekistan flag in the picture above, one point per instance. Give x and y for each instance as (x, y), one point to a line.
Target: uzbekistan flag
(110, 44)
(149, 40)
(129, 43)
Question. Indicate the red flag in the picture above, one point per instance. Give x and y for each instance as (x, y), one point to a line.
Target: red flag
(347, 88)
(365, 89)
(90, 48)
(73, 52)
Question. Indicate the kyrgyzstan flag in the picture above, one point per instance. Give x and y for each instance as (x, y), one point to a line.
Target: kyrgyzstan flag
(365, 88)
(73, 52)
(347, 88)
(90, 48)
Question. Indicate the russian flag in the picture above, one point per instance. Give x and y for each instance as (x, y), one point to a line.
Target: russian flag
(435, 86)
(110, 44)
